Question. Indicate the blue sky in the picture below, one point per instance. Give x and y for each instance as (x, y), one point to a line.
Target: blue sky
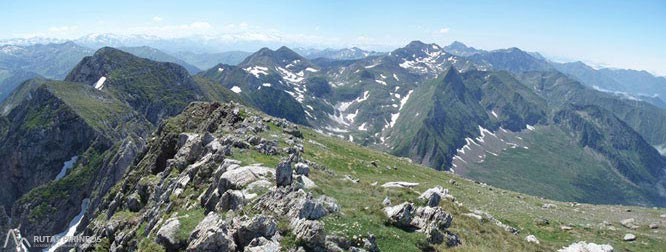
(626, 34)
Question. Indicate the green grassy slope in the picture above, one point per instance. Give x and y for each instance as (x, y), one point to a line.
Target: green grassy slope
(560, 170)
(361, 204)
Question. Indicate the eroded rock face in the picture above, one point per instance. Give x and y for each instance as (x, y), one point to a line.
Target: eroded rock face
(433, 196)
(167, 235)
(283, 173)
(262, 244)
(432, 220)
(246, 229)
(310, 232)
(400, 215)
(296, 204)
(231, 200)
(211, 234)
(189, 167)
(423, 216)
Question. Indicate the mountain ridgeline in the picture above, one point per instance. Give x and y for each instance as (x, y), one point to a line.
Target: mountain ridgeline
(505, 117)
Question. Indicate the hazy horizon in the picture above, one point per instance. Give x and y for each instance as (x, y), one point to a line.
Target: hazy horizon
(599, 33)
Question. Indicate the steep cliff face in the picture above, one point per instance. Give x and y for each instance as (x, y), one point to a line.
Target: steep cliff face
(42, 134)
(627, 151)
(64, 142)
(94, 124)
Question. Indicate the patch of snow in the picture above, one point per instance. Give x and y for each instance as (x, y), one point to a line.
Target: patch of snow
(236, 89)
(289, 76)
(351, 117)
(371, 66)
(337, 130)
(529, 127)
(219, 69)
(267, 84)
(71, 228)
(404, 99)
(100, 83)
(366, 94)
(394, 118)
(310, 69)
(395, 77)
(256, 70)
(66, 166)
(363, 127)
(381, 82)
(494, 114)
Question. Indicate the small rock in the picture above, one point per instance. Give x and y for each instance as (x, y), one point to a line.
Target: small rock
(629, 237)
(451, 240)
(662, 216)
(629, 223)
(653, 225)
(452, 181)
(400, 184)
(473, 215)
(283, 173)
(370, 243)
(532, 239)
(374, 163)
(166, 236)
(400, 215)
(262, 244)
(302, 169)
(134, 202)
(237, 178)
(211, 235)
(583, 246)
(309, 232)
(386, 202)
(293, 131)
(433, 195)
(424, 216)
(565, 228)
(304, 182)
(433, 235)
(231, 200)
(259, 226)
(541, 221)
(350, 178)
(548, 205)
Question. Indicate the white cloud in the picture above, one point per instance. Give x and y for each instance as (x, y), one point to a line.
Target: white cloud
(157, 19)
(62, 29)
(444, 30)
(172, 31)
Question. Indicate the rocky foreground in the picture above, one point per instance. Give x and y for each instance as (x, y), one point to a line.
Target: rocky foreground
(221, 177)
(188, 171)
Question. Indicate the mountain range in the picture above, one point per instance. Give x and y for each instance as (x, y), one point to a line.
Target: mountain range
(125, 126)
